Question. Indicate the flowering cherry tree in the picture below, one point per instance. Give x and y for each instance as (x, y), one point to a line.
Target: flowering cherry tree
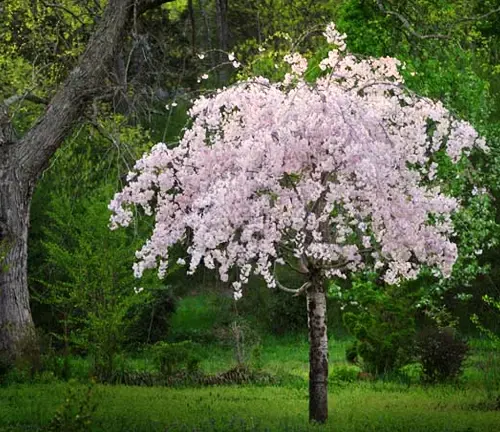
(329, 178)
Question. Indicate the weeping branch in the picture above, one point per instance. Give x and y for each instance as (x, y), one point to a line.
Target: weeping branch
(296, 292)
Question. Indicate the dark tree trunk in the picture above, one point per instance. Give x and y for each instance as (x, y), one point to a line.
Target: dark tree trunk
(23, 161)
(318, 350)
(223, 37)
(15, 314)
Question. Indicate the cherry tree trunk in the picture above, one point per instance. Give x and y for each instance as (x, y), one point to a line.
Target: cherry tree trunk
(318, 350)
(15, 314)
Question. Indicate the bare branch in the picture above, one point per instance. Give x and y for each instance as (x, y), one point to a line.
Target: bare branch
(294, 268)
(27, 96)
(145, 5)
(407, 24)
(296, 291)
(478, 17)
(64, 9)
(84, 82)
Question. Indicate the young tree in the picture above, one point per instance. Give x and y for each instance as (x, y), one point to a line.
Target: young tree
(327, 177)
(23, 160)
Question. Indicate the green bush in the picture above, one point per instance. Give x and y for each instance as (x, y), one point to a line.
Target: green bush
(442, 353)
(172, 358)
(150, 320)
(383, 324)
(347, 374)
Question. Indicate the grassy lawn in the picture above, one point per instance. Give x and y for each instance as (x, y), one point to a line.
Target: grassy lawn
(395, 404)
(356, 407)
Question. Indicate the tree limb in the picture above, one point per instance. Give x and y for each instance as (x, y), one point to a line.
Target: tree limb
(478, 17)
(407, 24)
(85, 81)
(296, 292)
(27, 96)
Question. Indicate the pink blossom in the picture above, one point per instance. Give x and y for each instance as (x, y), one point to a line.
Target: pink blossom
(338, 174)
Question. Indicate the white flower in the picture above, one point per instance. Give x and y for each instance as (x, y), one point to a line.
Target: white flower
(138, 290)
(174, 104)
(236, 64)
(204, 77)
(201, 56)
(261, 49)
(181, 261)
(230, 57)
(237, 290)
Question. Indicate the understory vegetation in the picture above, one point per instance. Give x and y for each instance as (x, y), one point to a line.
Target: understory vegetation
(216, 382)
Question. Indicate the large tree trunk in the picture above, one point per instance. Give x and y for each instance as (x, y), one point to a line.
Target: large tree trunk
(15, 314)
(22, 161)
(318, 350)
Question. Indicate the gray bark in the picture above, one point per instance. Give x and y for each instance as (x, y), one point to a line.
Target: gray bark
(23, 161)
(15, 314)
(318, 350)
(223, 37)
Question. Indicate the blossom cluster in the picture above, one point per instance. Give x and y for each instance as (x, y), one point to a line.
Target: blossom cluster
(339, 174)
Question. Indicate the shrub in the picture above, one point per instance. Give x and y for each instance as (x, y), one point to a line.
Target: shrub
(383, 325)
(241, 337)
(174, 357)
(151, 318)
(442, 353)
(346, 374)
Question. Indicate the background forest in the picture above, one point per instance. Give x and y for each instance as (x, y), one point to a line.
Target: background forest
(96, 323)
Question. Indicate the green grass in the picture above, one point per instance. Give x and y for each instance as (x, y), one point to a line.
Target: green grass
(354, 406)
(358, 407)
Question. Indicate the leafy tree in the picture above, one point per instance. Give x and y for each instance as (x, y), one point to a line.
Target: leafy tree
(330, 177)
(22, 160)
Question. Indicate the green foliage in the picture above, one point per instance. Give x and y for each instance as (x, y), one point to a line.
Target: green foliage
(90, 278)
(242, 338)
(382, 321)
(276, 312)
(175, 357)
(76, 413)
(198, 317)
(343, 374)
(495, 306)
(441, 352)
(150, 320)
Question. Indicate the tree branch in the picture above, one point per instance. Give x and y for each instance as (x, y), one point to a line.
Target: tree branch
(295, 292)
(85, 81)
(478, 17)
(27, 96)
(65, 9)
(407, 24)
(145, 5)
